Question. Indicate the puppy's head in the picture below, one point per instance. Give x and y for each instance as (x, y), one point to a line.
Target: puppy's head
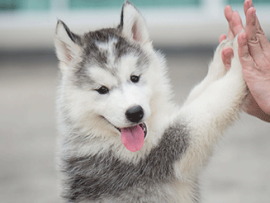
(107, 85)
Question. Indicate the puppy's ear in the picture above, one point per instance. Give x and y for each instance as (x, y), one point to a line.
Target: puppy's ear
(132, 24)
(66, 43)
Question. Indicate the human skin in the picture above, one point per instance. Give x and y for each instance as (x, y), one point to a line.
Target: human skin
(254, 55)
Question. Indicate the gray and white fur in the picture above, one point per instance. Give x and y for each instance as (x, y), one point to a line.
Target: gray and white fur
(98, 88)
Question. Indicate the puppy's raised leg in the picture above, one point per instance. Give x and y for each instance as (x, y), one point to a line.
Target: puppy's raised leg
(215, 71)
(210, 114)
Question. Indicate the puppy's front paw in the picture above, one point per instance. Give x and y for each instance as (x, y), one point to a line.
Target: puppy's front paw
(221, 46)
(236, 66)
(217, 68)
(235, 73)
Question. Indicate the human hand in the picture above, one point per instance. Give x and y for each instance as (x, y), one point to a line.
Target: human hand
(235, 27)
(254, 53)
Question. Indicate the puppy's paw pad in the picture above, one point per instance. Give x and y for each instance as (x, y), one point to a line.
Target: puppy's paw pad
(225, 43)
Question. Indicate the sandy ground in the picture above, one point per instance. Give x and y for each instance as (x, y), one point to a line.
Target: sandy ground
(238, 172)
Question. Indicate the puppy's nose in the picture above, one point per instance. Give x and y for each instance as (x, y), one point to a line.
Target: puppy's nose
(135, 114)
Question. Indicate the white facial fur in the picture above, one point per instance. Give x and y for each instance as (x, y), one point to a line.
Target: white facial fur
(123, 93)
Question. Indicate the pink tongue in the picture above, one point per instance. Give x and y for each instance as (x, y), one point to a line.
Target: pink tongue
(132, 138)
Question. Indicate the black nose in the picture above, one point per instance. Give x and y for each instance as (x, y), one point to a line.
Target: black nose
(135, 114)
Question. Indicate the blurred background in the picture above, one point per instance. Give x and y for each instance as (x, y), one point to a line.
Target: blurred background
(186, 31)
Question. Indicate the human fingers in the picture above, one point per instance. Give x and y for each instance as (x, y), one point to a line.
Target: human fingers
(228, 15)
(237, 25)
(259, 31)
(222, 37)
(252, 38)
(227, 54)
(243, 52)
(247, 5)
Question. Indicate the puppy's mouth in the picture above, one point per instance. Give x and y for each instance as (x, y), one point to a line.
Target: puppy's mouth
(133, 137)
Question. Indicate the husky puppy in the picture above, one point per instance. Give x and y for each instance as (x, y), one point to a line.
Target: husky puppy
(122, 139)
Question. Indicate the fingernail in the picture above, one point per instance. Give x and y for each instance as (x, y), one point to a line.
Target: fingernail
(249, 3)
(244, 36)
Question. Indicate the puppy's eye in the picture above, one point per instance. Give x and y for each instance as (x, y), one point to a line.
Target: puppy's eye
(103, 90)
(135, 78)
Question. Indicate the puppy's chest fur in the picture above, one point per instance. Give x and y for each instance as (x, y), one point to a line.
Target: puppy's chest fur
(103, 176)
